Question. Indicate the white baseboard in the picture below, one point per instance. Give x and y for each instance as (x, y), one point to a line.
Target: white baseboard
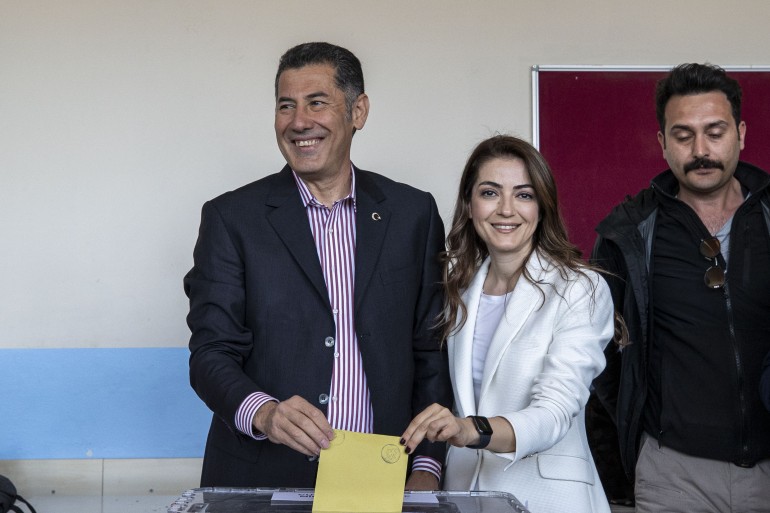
(103, 477)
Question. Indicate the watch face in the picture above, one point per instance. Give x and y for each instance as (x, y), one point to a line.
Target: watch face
(482, 425)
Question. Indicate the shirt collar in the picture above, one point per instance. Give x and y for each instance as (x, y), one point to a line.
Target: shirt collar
(308, 198)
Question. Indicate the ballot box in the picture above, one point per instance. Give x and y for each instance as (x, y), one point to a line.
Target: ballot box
(285, 500)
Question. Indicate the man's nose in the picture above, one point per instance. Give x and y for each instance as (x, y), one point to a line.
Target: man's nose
(301, 120)
(700, 146)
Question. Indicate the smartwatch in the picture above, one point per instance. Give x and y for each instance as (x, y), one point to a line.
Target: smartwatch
(484, 429)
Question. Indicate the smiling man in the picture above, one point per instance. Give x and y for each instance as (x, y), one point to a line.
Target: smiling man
(314, 293)
(688, 259)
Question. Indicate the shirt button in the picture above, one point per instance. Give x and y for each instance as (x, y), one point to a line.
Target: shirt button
(334, 398)
(329, 341)
(336, 355)
(323, 398)
(312, 458)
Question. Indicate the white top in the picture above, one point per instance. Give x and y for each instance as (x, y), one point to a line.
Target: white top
(491, 309)
(723, 235)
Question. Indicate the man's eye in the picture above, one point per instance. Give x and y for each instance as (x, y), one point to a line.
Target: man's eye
(285, 106)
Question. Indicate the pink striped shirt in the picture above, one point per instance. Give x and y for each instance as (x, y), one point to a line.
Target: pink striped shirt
(349, 403)
(334, 232)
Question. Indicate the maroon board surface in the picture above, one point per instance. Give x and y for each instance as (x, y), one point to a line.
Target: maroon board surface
(598, 131)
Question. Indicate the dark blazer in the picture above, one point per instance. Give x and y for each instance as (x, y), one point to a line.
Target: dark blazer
(260, 313)
(764, 382)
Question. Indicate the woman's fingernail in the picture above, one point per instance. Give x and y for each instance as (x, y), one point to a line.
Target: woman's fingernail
(402, 441)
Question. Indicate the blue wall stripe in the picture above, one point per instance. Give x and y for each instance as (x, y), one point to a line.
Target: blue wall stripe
(99, 403)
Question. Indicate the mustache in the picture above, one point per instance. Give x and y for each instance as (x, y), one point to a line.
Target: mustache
(703, 162)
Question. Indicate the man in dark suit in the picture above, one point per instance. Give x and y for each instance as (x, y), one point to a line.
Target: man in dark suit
(314, 293)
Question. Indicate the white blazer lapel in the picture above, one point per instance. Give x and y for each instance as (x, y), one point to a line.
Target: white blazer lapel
(523, 301)
(461, 346)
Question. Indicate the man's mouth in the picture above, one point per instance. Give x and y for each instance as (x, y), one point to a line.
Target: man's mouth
(304, 143)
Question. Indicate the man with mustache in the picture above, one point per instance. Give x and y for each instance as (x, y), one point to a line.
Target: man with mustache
(689, 260)
(314, 294)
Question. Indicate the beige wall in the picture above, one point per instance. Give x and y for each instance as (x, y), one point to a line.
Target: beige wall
(119, 118)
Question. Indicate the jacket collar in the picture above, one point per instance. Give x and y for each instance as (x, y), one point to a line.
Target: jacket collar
(624, 218)
(751, 178)
(289, 219)
(373, 217)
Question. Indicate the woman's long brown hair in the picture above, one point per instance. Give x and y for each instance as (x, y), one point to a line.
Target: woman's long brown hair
(466, 251)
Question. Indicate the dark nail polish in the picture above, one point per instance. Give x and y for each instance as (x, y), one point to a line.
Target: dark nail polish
(408, 450)
(402, 441)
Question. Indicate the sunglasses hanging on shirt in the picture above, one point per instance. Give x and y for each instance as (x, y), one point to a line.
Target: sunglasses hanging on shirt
(715, 275)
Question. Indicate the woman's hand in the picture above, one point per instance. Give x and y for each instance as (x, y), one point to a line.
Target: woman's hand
(438, 424)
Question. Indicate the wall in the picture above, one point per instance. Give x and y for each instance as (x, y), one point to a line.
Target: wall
(119, 119)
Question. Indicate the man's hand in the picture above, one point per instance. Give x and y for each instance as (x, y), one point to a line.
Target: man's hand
(421, 480)
(295, 423)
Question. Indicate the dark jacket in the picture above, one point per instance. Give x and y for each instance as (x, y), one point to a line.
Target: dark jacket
(764, 384)
(624, 249)
(260, 314)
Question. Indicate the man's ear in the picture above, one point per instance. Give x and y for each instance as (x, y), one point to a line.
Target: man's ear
(742, 133)
(360, 111)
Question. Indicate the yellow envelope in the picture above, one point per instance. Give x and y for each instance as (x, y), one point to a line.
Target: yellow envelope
(361, 473)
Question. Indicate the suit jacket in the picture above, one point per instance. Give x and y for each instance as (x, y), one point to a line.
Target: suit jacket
(260, 313)
(542, 358)
(764, 382)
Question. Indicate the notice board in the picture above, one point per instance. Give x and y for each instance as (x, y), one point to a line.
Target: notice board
(596, 126)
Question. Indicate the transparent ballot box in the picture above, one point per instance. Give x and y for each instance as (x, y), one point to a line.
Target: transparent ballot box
(294, 500)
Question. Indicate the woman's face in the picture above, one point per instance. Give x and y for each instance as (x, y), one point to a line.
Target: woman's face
(503, 207)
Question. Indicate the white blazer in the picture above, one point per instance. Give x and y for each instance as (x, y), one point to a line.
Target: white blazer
(543, 356)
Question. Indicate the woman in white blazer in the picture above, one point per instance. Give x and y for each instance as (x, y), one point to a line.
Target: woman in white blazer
(527, 322)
